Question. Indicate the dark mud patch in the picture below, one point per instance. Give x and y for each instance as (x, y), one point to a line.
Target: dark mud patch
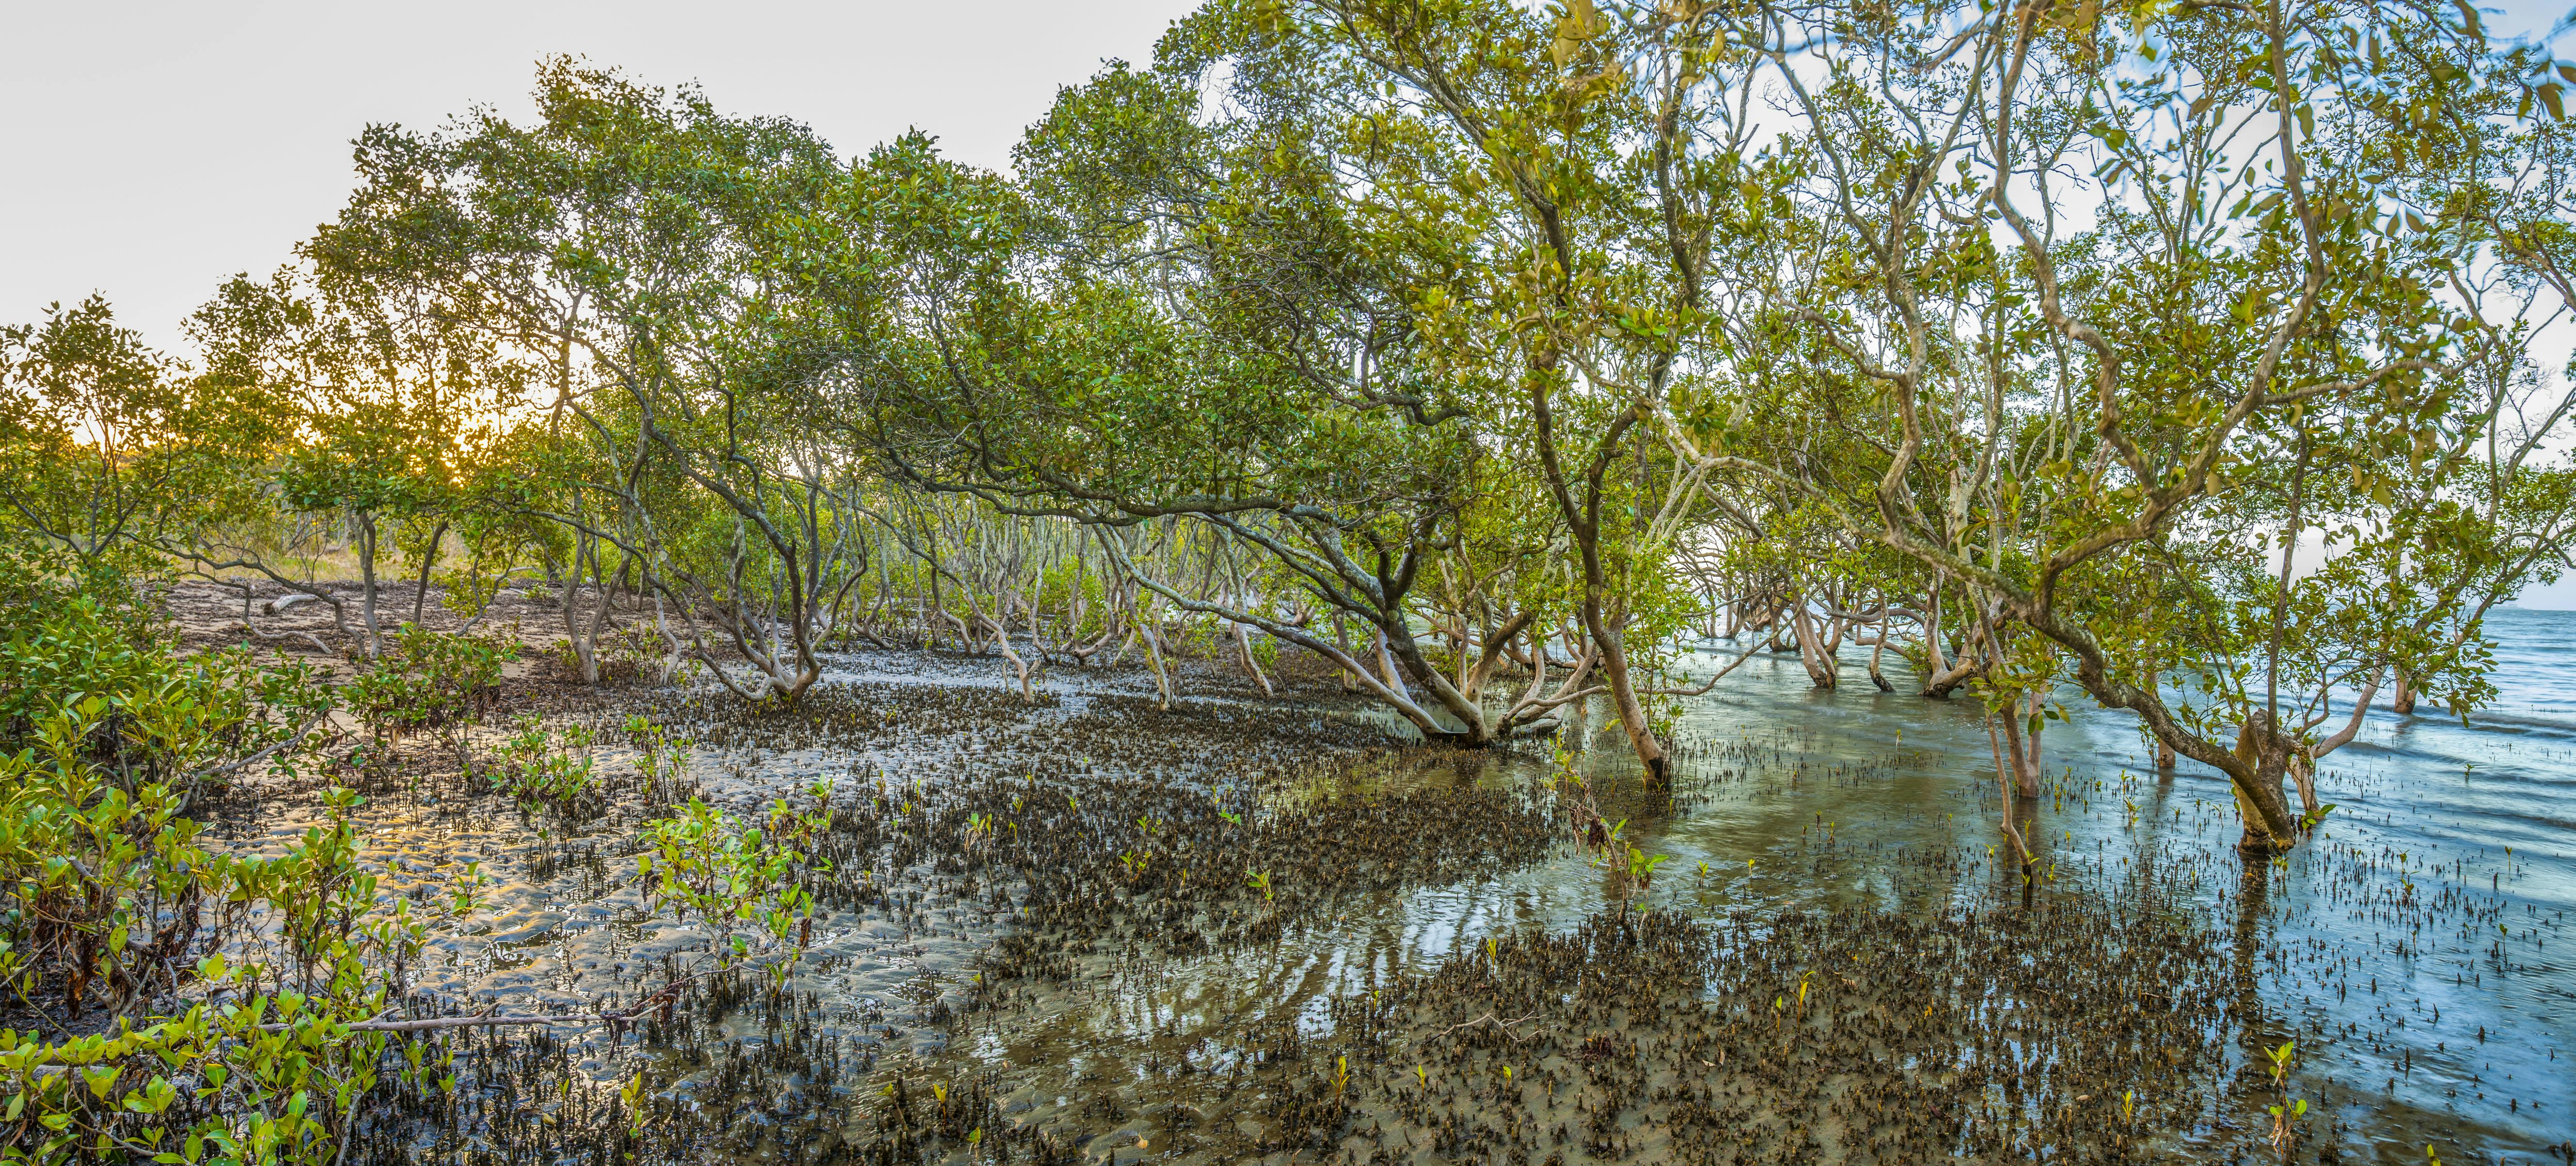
(2064, 1032)
(988, 860)
(1089, 929)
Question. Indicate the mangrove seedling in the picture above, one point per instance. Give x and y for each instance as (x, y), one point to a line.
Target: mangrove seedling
(2280, 1058)
(633, 1096)
(661, 759)
(535, 770)
(1641, 866)
(2282, 1116)
(2286, 1110)
(467, 896)
(705, 862)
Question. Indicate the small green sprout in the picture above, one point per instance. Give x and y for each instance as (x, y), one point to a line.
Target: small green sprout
(2281, 1061)
(633, 1095)
(1641, 865)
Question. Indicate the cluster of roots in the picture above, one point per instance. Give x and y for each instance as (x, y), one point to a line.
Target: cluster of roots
(1115, 839)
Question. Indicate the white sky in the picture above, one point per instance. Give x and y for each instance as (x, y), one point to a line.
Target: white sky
(149, 150)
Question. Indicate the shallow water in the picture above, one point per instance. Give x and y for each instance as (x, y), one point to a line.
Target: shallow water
(2383, 950)
(2435, 1014)
(1801, 796)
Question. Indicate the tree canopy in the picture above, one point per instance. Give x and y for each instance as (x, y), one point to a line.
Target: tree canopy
(2187, 359)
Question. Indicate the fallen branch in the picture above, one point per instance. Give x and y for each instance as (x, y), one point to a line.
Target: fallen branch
(318, 715)
(1702, 690)
(279, 604)
(1505, 1025)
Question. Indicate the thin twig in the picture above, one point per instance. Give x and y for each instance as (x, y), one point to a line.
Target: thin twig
(1505, 1025)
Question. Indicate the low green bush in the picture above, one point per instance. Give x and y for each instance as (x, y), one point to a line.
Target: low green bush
(427, 679)
(191, 1055)
(745, 882)
(161, 716)
(183, 1004)
(537, 767)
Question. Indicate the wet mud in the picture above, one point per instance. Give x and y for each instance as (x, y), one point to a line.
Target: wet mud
(1092, 930)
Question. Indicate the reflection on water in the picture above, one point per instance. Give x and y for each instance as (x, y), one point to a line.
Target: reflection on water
(2406, 951)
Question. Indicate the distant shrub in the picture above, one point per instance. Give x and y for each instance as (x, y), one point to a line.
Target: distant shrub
(427, 679)
(541, 768)
(159, 716)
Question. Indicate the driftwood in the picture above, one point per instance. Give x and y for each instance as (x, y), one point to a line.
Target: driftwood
(279, 605)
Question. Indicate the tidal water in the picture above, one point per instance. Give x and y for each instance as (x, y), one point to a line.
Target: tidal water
(2417, 951)
(2414, 954)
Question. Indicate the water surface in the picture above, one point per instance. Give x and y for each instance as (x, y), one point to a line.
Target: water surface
(2413, 951)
